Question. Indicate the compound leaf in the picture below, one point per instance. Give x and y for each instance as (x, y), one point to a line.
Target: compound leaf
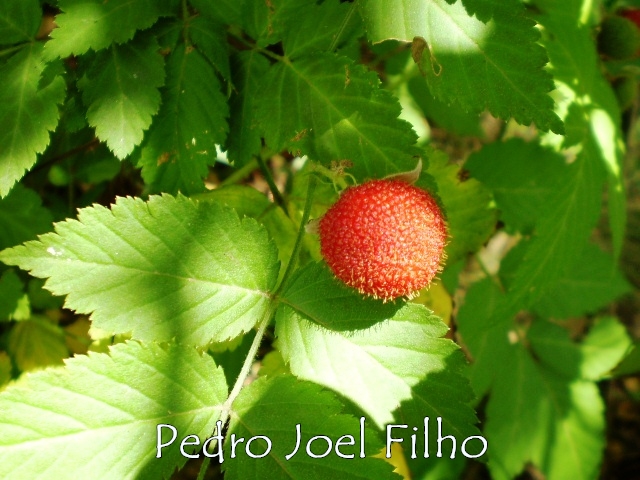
(97, 417)
(160, 269)
(592, 283)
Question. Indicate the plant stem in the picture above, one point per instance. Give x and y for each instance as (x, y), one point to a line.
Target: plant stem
(263, 324)
(301, 231)
(244, 373)
(277, 196)
(241, 173)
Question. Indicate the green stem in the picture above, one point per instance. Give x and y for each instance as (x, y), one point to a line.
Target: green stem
(263, 324)
(240, 174)
(301, 231)
(244, 373)
(277, 196)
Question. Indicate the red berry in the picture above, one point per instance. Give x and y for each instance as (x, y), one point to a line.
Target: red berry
(632, 14)
(385, 238)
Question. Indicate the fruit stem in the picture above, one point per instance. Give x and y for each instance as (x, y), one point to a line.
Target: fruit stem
(301, 232)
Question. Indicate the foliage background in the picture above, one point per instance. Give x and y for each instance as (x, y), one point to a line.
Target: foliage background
(159, 160)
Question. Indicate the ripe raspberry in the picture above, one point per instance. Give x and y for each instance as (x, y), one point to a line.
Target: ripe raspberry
(384, 237)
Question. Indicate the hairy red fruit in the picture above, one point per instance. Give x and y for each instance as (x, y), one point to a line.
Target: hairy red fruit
(632, 14)
(385, 238)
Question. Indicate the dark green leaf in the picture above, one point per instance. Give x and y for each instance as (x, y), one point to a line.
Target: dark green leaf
(192, 120)
(315, 294)
(523, 177)
(22, 217)
(29, 112)
(259, 411)
(248, 73)
(588, 104)
(19, 21)
(11, 290)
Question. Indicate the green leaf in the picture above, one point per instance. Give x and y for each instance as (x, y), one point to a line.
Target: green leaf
(533, 414)
(229, 12)
(536, 416)
(315, 294)
(523, 177)
(485, 338)
(451, 117)
(19, 21)
(248, 72)
(375, 368)
(446, 395)
(603, 348)
(587, 102)
(120, 90)
(247, 201)
(22, 217)
(259, 409)
(29, 112)
(36, 343)
(560, 236)
(95, 24)
(471, 217)
(192, 120)
(303, 27)
(496, 65)
(160, 269)
(11, 291)
(592, 283)
(631, 363)
(338, 112)
(211, 39)
(98, 416)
